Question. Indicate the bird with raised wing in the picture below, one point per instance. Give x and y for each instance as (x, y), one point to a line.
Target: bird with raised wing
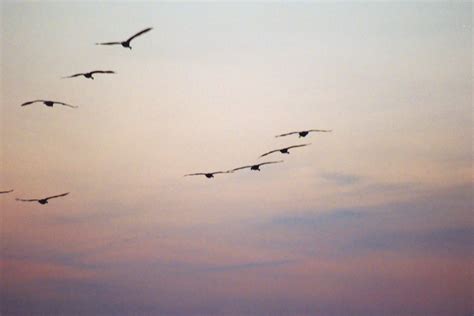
(304, 133)
(3, 192)
(284, 150)
(126, 43)
(208, 175)
(44, 200)
(256, 167)
(90, 74)
(49, 103)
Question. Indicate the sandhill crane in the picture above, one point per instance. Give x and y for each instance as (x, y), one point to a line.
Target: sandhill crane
(256, 167)
(49, 103)
(208, 175)
(44, 200)
(126, 43)
(90, 74)
(304, 133)
(284, 150)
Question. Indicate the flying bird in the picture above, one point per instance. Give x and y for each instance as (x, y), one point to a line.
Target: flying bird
(45, 200)
(256, 167)
(284, 150)
(304, 133)
(89, 74)
(2, 192)
(208, 175)
(126, 43)
(49, 103)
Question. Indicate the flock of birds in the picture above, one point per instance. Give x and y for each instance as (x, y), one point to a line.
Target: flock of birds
(90, 75)
(256, 167)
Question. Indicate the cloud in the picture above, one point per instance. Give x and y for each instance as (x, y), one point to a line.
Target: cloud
(435, 224)
(341, 178)
(446, 241)
(248, 265)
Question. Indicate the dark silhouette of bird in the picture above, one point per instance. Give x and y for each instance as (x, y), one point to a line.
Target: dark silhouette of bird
(126, 43)
(284, 150)
(45, 200)
(3, 192)
(89, 74)
(49, 103)
(256, 167)
(208, 175)
(304, 133)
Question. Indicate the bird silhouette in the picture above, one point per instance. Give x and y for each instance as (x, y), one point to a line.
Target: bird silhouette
(304, 133)
(89, 74)
(3, 192)
(49, 103)
(126, 43)
(256, 167)
(208, 175)
(284, 150)
(44, 200)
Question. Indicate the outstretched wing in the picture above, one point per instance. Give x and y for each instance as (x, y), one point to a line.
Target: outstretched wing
(295, 146)
(102, 72)
(31, 200)
(195, 174)
(240, 168)
(109, 43)
(56, 196)
(270, 152)
(1, 192)
(269, 162)
(139, 33)
(217, 172)
(30, 102)
(72, 76)
(320, 130)
(286, 134)
(65, 104)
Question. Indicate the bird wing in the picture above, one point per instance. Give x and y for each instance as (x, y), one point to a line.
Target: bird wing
(56, 196)
(195, 174)
(1, 192)
(269, 162)
(30, 102)
(72, 76)
(102, 72)
(217, 172)
(286, 134)
(139, 33)
(320, 130)
(294, 146)
(109, 43)
(30, 200)
(240, 168)
(268, 153)
(62, 103)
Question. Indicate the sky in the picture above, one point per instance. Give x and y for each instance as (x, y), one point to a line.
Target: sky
(374, 218)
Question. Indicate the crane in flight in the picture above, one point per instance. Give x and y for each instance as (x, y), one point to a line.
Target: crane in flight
(49, 103)
(90, 74)
(126, 43)
(208, 175)
(304, 133)
(256, 167)
(283, 150)
(43, 200)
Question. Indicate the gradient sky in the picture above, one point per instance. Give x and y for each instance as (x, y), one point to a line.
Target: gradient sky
(374, 218)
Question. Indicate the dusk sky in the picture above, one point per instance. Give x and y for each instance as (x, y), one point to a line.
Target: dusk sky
(374, 218)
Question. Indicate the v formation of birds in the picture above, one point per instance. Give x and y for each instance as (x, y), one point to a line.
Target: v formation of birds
(209, 175)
